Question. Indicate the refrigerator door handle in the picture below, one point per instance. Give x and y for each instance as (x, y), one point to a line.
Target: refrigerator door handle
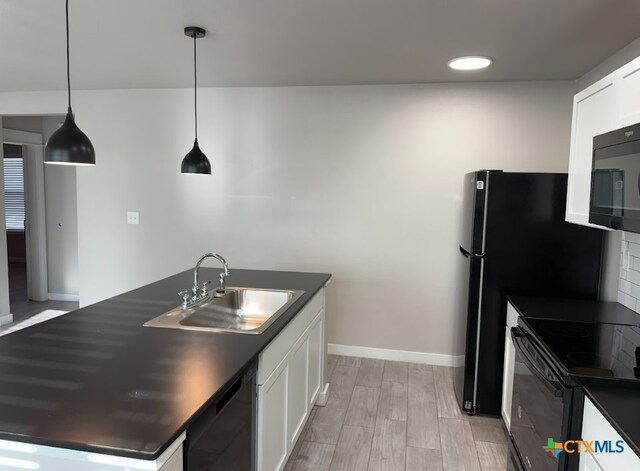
(468, 254)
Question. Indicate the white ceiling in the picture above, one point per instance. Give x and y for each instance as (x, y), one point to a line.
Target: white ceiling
(140, 43)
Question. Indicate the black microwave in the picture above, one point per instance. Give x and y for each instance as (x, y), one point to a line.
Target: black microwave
(615, 179)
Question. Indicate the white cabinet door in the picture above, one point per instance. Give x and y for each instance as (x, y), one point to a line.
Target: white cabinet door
(595, 426)
(507, 377)
(595, 111)
(588, 463)
(316, 357)
(272, 446)
(629, 98)
(297, 391)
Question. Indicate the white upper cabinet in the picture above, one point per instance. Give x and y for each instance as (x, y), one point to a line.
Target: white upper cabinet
(594, 112)
(608, 104)
(629, 110)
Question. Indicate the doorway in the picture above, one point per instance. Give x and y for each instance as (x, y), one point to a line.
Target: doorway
(15, 219)
(40, 223)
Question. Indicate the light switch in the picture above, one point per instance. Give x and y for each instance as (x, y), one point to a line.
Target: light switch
(133, 217)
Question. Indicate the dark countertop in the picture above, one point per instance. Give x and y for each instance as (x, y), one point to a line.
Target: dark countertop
(621, 406)
(576, 310)
(97, 380)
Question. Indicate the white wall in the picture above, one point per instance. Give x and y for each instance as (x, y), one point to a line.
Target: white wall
(62, 221)
(23, 123)
(363, 182)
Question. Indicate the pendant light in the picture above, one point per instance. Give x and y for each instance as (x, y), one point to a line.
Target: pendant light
(195, 162)
(69, 145)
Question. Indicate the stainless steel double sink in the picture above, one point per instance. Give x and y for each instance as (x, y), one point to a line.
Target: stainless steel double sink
(239, 309)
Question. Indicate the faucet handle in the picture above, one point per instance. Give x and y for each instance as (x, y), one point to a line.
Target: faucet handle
(203, 290)
(222, 285)
(185, 295)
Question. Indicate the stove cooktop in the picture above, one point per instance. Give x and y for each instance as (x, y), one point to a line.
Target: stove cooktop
(592, 349)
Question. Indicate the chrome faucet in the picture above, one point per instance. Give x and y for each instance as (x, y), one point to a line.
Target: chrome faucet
(200, 292)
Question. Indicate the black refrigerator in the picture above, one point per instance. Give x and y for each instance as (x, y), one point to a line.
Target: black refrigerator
(515, 240)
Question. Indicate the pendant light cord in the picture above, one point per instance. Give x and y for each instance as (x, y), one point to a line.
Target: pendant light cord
(68, 72)
(195, 85)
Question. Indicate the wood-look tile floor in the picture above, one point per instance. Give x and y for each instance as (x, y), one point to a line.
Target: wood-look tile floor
(395, 416)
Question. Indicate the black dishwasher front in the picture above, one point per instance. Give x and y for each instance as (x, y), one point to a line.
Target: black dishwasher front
(224, 437)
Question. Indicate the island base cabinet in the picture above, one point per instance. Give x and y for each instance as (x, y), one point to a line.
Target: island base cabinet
(287, 392)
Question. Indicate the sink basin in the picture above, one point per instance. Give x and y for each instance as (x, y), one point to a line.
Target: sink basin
(241, 310)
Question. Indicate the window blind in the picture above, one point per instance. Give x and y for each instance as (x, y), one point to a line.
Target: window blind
(14, 193)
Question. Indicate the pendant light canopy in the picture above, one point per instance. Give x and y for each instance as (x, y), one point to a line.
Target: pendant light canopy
(195, 162)
(69, 145)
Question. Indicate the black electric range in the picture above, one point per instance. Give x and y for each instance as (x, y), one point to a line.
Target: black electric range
(552, 359)
(590, 353)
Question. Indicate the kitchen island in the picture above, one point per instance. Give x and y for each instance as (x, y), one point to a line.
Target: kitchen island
(96, 381)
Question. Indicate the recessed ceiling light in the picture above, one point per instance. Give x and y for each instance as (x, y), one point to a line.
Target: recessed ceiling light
(470, 62)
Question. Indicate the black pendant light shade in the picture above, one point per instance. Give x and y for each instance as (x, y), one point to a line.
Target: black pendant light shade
(69, 145)
(195, 162)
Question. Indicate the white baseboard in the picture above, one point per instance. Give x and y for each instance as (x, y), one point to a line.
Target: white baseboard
(6, 319)
(323, 396)
(396, 355)
(64, 297)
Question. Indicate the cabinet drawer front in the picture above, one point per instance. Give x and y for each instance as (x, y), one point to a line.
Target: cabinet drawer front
(277, 350)
(596, 427)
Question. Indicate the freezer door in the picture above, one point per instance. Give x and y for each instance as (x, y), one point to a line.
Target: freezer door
(465, 377)
(473, 212)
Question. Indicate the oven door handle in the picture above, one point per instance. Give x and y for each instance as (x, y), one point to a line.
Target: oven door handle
(556, 388)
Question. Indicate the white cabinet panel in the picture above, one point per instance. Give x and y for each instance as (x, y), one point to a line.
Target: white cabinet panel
(629, 94)
(596, 427)
(512, 315)
(176, 462)
(297, 392)
(508, 365)
(272, 429)
(595, 111)
(588, 463)
(316, 358)
(507, 377)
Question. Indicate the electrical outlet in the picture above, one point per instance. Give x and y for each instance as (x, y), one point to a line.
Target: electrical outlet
(133, 217)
